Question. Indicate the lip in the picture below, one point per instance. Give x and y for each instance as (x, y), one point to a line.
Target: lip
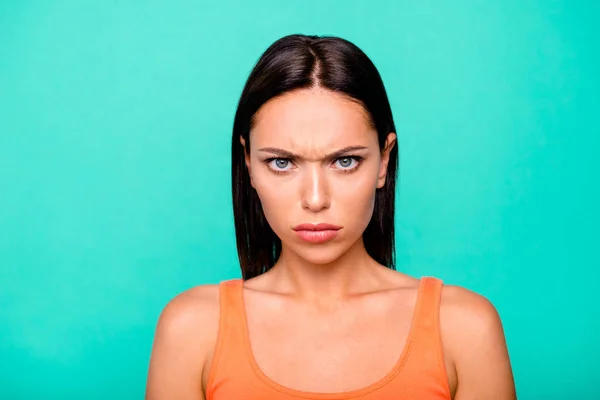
(317, 227)
(317, 233)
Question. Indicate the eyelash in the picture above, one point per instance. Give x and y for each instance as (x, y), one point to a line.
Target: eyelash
(356, 158)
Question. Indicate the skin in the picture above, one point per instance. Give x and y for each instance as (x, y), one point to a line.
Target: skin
(313, 285)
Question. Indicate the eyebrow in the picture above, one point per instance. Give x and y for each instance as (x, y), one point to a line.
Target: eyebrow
(289, 154)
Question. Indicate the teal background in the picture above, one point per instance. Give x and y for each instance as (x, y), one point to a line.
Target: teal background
(115, 120)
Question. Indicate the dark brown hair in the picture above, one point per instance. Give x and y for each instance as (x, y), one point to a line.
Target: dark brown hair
(298, 62)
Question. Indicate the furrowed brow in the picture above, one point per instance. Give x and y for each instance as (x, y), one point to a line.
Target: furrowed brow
(288, 154)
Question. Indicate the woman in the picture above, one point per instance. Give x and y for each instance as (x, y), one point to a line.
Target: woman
(321, 312)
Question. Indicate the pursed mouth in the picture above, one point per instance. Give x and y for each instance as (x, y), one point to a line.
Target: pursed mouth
(317, 227)
(318, 235)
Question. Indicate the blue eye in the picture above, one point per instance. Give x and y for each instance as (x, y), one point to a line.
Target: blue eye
(343, 164)
(279, 164)
(346, 162)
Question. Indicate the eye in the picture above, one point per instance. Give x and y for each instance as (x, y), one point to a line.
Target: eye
(346, 162)
(279, 164)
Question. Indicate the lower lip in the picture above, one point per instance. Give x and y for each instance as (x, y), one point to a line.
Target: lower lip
(317, 236)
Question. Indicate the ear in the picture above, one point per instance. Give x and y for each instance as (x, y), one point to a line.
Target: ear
(385, 159)
(247, 159)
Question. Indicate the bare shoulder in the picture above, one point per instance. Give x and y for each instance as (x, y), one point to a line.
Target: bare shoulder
(475, 345)
(469, 322)
(194, 307)
(184, 339)
(190, 320)
(468, 311)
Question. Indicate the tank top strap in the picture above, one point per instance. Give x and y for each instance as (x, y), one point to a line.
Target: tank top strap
(231, 295)
(425, 361)
(428, 319)
(229, 353)
(231, 306)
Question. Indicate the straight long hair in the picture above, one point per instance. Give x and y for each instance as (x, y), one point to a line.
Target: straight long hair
(301, 62)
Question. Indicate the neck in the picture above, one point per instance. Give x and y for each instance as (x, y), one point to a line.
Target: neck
(353, 272)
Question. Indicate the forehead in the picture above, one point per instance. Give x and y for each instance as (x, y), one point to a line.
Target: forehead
(312, 118)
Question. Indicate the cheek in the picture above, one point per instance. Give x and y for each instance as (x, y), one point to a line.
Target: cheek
(277, 204)
(354, 201)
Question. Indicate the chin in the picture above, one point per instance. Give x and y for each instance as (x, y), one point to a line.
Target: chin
(319, 254)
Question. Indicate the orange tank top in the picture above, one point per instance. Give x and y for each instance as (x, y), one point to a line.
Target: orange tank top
(419, 372)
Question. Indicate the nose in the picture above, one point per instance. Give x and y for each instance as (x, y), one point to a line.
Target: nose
(315, 189)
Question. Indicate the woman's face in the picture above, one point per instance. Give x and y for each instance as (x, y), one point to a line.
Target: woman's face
(315, 159)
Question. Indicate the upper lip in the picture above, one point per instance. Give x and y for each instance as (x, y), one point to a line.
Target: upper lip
(317, 227)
